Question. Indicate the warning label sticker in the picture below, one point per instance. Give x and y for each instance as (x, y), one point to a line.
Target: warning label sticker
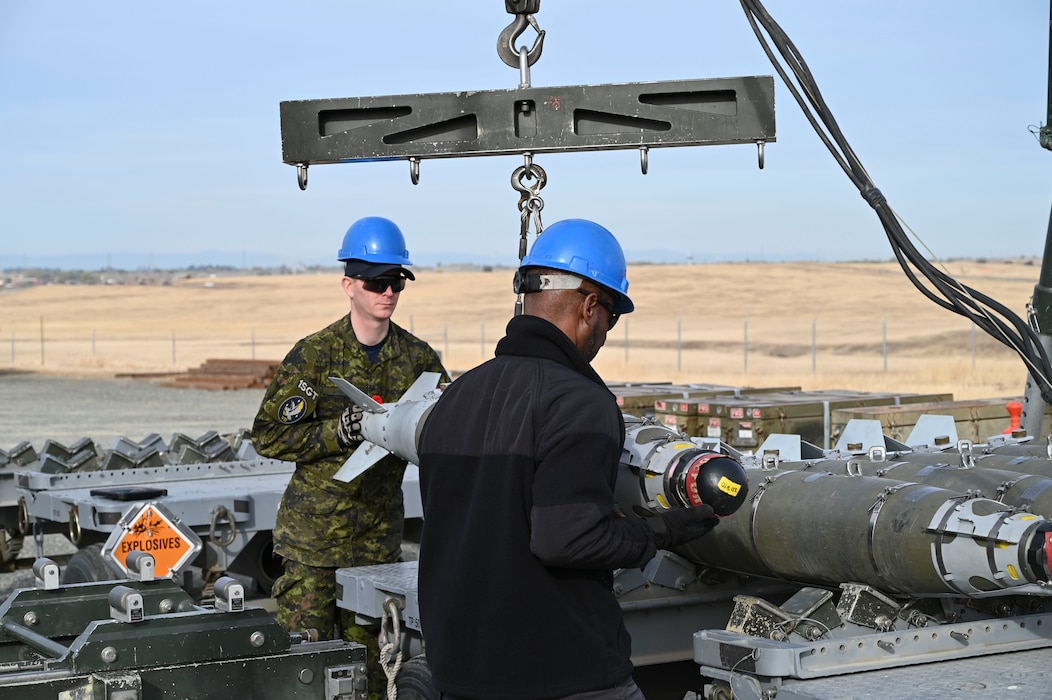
(149, 528)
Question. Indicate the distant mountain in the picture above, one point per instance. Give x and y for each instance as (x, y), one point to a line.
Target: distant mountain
(214, 258)
(140, 261)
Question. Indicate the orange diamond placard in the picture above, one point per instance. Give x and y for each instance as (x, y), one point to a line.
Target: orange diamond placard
(151, 528)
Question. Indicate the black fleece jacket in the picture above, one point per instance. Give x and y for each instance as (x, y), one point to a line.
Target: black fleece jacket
(518, 462)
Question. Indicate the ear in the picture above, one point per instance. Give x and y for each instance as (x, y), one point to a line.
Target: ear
(587, 310)
(348, 287)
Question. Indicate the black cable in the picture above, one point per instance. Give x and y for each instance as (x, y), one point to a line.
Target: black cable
(992, 317)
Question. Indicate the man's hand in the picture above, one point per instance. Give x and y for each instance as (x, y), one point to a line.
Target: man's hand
(348, 431)
(682, 525)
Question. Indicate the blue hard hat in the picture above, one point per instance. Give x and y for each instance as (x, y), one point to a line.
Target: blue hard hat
(585, 249)
(374, 240)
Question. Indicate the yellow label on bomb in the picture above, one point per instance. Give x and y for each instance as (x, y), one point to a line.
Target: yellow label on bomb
(728, 486)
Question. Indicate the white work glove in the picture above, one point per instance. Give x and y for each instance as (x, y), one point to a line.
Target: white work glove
(348, 430)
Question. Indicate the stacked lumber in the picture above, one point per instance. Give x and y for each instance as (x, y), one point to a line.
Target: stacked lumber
(219, 374)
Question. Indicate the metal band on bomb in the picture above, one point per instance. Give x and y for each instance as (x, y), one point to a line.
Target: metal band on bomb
(703, 476)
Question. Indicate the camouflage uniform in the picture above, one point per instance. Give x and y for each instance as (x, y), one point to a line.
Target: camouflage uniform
(323, 524)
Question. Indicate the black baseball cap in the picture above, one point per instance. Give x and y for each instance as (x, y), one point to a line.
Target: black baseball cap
(366, 270)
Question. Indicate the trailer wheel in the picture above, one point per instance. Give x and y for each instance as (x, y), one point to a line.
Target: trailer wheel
(414, 681)
(10, 547)
(88, 565)
(258, 561)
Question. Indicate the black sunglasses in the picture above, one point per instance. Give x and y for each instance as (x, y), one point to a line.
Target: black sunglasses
(606, 305)
(379, 285)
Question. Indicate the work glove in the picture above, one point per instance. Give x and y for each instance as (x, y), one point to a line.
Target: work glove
(348, 430)
(682, 525)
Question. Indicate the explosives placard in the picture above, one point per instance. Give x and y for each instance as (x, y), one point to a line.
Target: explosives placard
(149, 527)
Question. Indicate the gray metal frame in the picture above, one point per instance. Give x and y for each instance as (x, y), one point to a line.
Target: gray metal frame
(529, 120)
(64, 641)
(720, 651)
(663, 603)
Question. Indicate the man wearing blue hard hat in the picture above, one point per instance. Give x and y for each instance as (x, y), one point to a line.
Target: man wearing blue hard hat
(521, 535)
(324, 524)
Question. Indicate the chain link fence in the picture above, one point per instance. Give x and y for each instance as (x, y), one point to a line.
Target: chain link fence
(747, 350)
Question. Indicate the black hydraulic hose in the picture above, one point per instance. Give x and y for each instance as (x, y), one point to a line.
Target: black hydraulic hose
(992, 317)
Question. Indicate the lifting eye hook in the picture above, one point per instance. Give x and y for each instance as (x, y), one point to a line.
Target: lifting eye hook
(506, 41)
(521, 173)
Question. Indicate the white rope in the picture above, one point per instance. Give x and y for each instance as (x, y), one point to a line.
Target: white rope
(389, 643)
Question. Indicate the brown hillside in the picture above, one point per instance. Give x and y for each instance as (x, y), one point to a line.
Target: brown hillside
(740, 324)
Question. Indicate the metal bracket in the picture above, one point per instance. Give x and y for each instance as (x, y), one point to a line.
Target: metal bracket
(705, 112)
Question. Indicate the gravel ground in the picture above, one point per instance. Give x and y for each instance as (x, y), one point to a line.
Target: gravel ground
(36, 408)
(44, 407)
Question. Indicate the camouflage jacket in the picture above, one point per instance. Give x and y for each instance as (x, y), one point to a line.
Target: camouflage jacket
(321, 521)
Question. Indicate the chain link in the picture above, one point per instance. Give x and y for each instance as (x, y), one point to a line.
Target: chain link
(530, 203)
(530, 206)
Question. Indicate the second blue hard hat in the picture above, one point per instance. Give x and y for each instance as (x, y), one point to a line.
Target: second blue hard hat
(587, 250)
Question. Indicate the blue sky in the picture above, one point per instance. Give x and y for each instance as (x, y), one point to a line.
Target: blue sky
(132, 132)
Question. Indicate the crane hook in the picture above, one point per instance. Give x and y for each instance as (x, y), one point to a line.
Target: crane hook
(506, 41)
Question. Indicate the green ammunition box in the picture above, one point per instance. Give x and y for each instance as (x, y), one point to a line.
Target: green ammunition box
(807, 414)
(682, 423)
(681, 404)
(977, 420)
(745, 421)
(711, 416)
(638, 399)
(690, 406)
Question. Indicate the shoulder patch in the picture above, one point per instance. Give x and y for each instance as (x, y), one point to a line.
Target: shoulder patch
(292, 409)
(295, 402)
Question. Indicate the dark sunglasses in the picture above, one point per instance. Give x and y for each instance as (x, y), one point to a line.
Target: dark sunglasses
(379, 285)
(606, 305)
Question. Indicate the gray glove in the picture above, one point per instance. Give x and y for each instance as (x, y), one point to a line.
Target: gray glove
(348, 430)
(682, 525)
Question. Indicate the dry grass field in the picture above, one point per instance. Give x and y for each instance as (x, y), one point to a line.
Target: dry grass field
(859, 326)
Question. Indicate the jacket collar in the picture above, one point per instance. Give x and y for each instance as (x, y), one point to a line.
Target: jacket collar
(532, 336)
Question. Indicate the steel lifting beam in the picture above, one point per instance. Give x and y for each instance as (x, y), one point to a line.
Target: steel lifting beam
(529, 120)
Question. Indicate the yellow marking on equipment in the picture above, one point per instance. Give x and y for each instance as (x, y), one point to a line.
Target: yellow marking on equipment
(728, 486)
